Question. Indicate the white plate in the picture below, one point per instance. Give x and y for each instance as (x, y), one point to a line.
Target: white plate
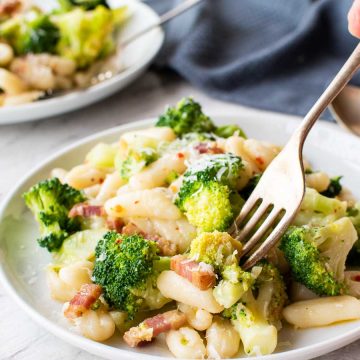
(22, 261)
(136, 57)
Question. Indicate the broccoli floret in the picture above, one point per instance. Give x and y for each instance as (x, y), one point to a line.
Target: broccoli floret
(317, 209)
(67, 5)
(207, 206)
(234, 284)
(50, 202)
(86, 36)
(32, 32)
(215, 248)
(127, 268)
(317, 255)
(229, 130)
(208, 194)
(334, 187)
(271, 290)
(259, 310)
(135, 161)
(223, 168)
(185, 118)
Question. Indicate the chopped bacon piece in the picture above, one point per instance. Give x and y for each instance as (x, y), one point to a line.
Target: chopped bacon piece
(9, 7)
(131, 229)
(152, 327)
(82, 301)
(200, 274)
(166, 247)
(86, 210)
(115, 224)
(206, 148)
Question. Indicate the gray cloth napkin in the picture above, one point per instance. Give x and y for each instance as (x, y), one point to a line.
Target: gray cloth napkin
(270, 54)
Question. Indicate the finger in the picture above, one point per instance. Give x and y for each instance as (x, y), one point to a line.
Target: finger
(354, 19)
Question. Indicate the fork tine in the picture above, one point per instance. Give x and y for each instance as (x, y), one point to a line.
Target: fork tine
(245, 210)
(269, 242)
(260, 232)
(255, 218)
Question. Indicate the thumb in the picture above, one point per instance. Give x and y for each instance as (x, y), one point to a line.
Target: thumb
(354, 19)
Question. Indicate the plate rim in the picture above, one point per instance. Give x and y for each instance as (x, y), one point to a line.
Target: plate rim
(100, 89)
(108, 351)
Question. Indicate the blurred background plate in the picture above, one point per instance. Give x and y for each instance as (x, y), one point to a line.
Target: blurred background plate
(22, 261)
(135, 58)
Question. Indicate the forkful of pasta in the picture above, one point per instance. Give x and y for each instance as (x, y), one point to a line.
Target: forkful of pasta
(276, 199)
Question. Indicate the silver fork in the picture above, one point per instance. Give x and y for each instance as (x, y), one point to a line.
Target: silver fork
(278, 195)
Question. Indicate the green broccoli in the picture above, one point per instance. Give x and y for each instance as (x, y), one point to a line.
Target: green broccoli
(50, 202)
(229, 130)
(86, 36)
(317, 209)
(32, 32)
(258, 313)
(216, 248)
(317, 255)
(334, 187)
(127, 268)
(208, 193)
(67, 5)
(185, 118)
(135, 161)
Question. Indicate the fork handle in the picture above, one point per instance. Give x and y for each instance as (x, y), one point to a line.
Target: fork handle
(337, 84)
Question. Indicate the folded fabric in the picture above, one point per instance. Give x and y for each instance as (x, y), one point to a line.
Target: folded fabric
(276, 55)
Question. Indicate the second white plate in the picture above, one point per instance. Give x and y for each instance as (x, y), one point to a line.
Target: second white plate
(136, 57)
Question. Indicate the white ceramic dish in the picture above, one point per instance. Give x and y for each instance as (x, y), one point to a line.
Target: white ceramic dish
(135, 58)
(22, 261)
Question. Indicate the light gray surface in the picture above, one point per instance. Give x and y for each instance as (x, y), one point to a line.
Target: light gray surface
(23, 146)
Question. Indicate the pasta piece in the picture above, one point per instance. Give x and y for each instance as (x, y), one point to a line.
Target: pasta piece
(223, 341)
(186, 343)
(178, 232)
(322, 311)
(92, 192)
(96, 325)
(156, 133)
(154, 203)
(260, 152)
(156, 174)
(199, 319)
(83, 176)
(175, 287)
(236, 145)
(67, 281)
(110, 186)
(6, 54)
(23, 98)
(11, 84)
(318, 181)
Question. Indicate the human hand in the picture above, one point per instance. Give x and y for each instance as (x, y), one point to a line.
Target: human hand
(354, 19)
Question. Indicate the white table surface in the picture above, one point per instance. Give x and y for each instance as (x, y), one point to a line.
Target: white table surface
(22, 146)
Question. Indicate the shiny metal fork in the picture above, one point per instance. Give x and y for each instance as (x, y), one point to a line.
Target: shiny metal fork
(276, 199)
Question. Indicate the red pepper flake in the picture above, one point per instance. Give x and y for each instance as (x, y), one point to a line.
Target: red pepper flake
(356, 278)
(180, 155)
(260, 160)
